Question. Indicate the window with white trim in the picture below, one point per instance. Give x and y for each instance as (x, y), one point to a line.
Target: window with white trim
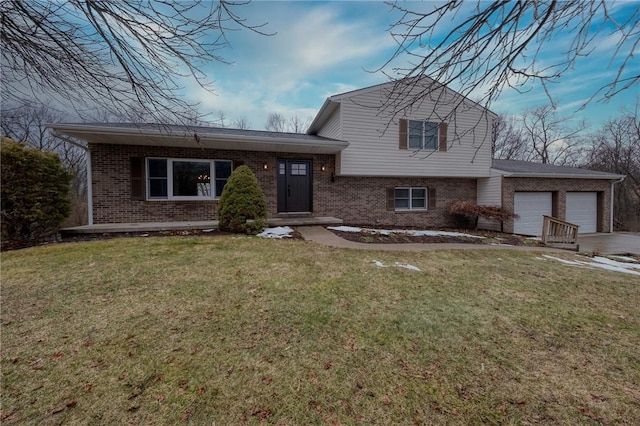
(423, 135)
(410, 198)
(186, 179)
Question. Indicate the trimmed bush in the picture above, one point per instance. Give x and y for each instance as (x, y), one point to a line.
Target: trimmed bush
(243, 207)
(466, 213)
(35, 193)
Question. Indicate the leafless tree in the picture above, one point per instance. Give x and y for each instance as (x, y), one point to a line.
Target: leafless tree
(539, 135)
(508, 141)
(482, 48)
(549, 138)
(109, 53)
(277, 122)
(615, 148)
(241, 123)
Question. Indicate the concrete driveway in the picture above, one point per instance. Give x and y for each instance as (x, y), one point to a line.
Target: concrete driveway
(614, 243)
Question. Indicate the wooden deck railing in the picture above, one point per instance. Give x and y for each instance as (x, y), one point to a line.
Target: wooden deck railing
(558, 231)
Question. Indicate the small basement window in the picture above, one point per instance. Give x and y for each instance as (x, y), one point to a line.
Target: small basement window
(185, 179)
(410, 198)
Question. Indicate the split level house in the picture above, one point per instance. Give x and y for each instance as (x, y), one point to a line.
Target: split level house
(385, 155)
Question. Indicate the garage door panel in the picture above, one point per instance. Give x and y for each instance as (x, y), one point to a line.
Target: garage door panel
(582, 210)
(530, 207)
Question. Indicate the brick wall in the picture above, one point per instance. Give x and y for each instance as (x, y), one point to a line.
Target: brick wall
(560, 187)
(356, 200)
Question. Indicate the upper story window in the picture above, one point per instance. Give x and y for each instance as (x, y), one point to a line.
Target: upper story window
(184, 179)
(423, 135)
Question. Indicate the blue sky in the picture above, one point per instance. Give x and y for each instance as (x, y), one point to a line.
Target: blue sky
(325, 48)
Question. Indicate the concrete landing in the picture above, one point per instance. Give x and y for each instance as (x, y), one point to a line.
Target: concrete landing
(106, 228)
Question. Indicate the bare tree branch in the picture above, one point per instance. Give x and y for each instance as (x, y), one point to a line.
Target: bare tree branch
(109, 53)
(480, 49)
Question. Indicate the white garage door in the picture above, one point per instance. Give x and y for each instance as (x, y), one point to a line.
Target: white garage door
(529, 208)
(582, 209)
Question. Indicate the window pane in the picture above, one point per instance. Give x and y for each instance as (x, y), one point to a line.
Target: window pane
(402, 193)
(430, 135)
(157, 188)
(418, 193)
(157, 167)
(402, 203)
(415, 134)
(223, 169)
(191, 178)
(418, 203)
(220, 183)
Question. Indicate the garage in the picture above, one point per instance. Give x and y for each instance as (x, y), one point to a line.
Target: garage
(529, 208)
(582, 210)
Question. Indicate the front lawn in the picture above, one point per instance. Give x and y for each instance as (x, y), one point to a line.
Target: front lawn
(226, 330)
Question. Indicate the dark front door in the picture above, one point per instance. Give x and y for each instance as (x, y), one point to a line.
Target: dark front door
(294, 186)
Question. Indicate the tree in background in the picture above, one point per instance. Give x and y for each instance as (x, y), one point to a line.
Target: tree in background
(26, 123)
(484, 47)
(615, 148)
(243, 207)
(113, 53)
(35, 193)
(539, 135)
(277, 122)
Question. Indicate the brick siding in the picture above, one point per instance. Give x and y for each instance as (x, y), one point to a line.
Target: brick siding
(559, 187)
(356, 200)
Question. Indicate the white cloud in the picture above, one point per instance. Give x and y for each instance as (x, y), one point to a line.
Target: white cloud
(314, 51)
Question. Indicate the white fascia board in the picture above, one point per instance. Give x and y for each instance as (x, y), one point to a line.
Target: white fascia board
(328, 107)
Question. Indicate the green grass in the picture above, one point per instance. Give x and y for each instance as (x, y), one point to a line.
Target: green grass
(226, 330)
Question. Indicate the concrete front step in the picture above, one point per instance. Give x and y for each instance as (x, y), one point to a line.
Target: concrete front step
(107, 228)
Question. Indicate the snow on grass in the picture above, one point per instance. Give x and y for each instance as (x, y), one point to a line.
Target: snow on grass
(278, 232)
(600, 263)
(397, 264)
(410, 232)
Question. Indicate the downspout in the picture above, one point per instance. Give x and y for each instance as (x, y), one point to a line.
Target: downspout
(611, 207)
(89, 191)
(89, 184)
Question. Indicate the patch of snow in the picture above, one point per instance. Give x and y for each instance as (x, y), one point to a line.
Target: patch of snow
(413, 233)
(397, 264)
(345, 228)
(625, 258)
(208, 230)
(610, 262)
(278, 232)
(534, 238)
(407, 266)
(600, 263)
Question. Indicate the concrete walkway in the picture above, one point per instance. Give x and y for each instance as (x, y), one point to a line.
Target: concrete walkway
(321, 235)
(614, 243)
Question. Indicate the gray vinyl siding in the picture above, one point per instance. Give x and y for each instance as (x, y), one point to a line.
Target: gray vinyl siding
(332, 128)
(373, 140)
(489, 194)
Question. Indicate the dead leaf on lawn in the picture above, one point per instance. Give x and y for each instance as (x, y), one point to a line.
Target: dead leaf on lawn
(56, 356)
(69, 404)
(328, 365)
(267, 380)
(586, 411)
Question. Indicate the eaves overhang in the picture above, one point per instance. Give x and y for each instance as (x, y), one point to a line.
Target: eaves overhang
(595, 176)
(201, 137)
